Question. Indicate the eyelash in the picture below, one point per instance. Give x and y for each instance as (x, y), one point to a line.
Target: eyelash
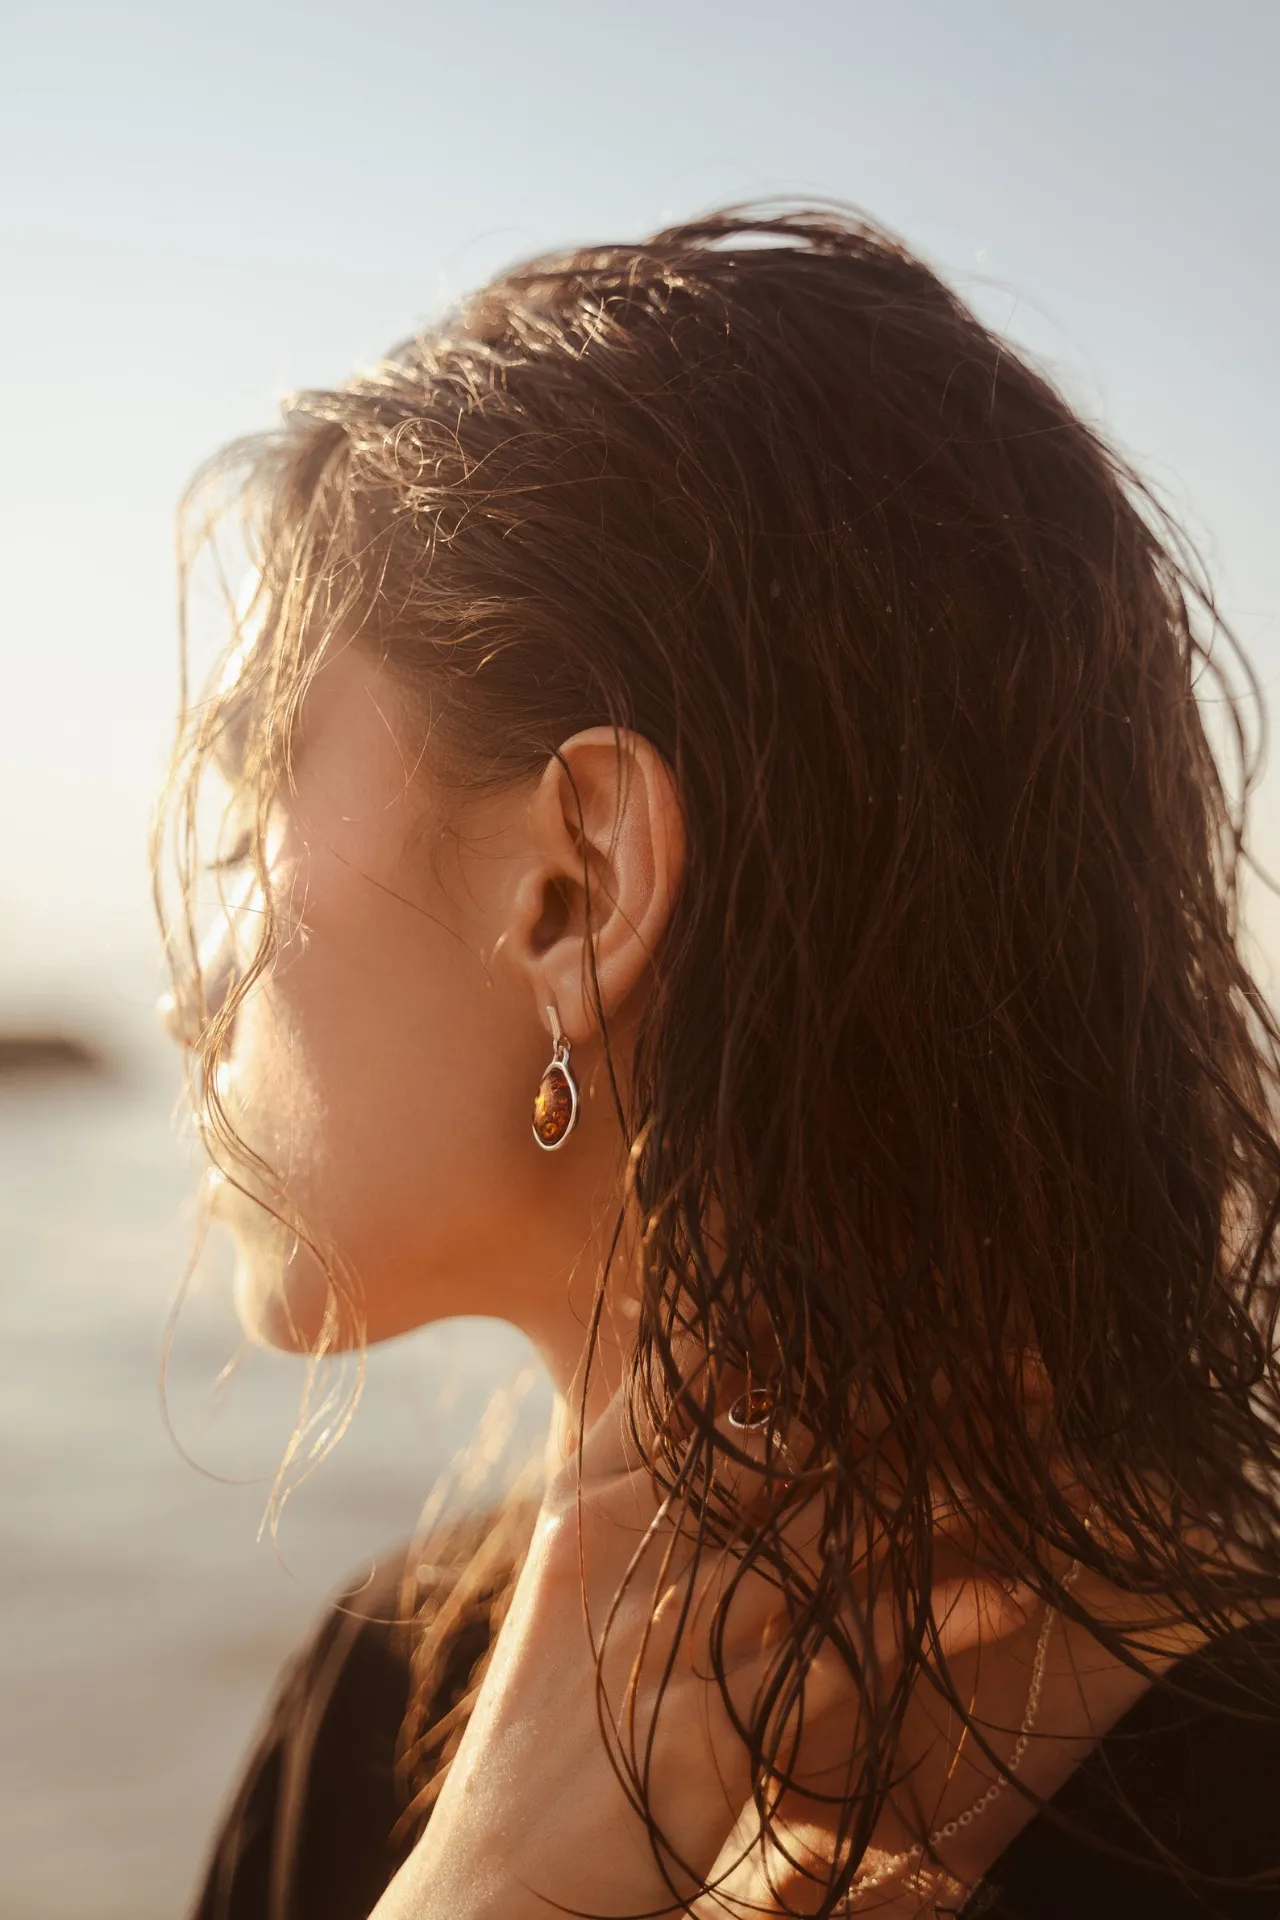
(236, 855)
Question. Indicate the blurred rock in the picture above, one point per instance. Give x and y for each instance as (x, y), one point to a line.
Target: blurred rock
(38, 1055)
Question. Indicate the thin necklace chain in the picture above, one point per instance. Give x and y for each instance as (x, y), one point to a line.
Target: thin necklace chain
(896, 1862)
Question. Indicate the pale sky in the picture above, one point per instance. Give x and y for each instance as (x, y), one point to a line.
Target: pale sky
(205, 207)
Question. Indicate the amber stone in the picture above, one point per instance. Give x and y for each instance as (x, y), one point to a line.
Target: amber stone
(553, 1107)
(752, 1409)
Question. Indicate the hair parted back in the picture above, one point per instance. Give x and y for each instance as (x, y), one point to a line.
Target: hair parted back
(951, 1035)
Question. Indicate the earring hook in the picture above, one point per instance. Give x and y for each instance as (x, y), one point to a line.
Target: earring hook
(558, 1041)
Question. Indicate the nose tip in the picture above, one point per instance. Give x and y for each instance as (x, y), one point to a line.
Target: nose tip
(169, 1017)
(182, 1018)
(207, 987)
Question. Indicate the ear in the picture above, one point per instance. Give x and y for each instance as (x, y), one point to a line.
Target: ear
(606, 839)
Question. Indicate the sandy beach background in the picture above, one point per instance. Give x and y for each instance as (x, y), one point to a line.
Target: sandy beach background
(141, 1620)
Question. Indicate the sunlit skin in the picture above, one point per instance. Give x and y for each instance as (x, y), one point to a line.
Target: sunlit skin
(387, 1068)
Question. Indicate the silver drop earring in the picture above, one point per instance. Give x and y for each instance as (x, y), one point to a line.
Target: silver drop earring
(555, 1106)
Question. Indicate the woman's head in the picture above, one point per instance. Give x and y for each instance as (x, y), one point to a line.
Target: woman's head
(385, 1066)
(728, 639)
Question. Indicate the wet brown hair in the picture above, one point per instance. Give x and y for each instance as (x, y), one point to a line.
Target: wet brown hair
(951, 1033)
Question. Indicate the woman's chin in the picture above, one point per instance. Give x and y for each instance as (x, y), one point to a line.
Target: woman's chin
(284, 1295)
(288, 1296)
(297, 1311)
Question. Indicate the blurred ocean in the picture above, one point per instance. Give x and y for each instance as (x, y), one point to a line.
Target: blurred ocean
(141, 1619)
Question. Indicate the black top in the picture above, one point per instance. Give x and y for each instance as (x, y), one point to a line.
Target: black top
(308, 1833)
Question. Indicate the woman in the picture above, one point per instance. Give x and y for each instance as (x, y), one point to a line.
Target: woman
(713, 697)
